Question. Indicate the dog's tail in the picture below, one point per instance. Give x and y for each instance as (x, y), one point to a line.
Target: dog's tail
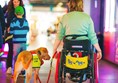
(26, 65)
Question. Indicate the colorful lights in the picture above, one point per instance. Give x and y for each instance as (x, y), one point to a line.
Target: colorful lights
(96, 3)
(109, 15)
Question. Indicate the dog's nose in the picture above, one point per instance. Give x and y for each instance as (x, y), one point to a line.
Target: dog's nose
(48, 57)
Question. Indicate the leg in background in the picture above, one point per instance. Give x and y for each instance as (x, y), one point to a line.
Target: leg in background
(1, 42)
(9, 56)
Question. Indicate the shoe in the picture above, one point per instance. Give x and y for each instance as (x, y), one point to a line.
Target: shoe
(1, 53)
(68, 75)
(22, 74)
(9, 70)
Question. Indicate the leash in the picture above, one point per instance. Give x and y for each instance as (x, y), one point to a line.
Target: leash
(51, 66)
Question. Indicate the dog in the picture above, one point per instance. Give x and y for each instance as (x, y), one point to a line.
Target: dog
(33, 38)
(25, 61)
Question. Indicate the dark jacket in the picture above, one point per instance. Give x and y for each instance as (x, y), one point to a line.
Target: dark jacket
(10, 16)
(2, 20)
(2, 26)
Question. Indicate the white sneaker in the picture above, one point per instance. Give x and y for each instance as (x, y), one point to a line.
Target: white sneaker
(9, 70)
(68, 75)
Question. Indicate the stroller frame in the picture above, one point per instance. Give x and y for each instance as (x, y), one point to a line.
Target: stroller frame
(71, 45)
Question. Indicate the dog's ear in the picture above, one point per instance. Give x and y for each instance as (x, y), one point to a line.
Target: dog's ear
(45, 50)
(39, 52)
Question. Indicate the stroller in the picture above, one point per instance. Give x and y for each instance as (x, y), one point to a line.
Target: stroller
(78, 60)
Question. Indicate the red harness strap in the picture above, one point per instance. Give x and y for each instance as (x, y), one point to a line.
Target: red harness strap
(32, 52)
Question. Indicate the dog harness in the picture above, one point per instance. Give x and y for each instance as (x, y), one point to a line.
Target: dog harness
(36, 62)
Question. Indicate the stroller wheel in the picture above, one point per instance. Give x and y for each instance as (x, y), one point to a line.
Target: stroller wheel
(92, 80)
(62, 80)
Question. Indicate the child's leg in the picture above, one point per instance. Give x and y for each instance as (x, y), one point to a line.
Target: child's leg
(22, 48)
(15, 53)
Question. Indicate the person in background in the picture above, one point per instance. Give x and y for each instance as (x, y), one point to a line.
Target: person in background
(2, 28)
(19, 28)
(10, 15)
(77, 22)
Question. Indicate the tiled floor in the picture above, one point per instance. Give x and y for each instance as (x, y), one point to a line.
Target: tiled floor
(108, 73)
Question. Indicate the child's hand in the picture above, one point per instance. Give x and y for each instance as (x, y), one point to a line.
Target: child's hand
(27, 44)
(8, 30)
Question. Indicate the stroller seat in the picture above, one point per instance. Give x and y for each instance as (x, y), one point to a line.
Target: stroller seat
(76, 65)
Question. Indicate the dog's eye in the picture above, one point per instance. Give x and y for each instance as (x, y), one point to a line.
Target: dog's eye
(39, 52)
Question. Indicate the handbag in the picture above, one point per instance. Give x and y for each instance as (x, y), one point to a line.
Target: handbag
(8, 37)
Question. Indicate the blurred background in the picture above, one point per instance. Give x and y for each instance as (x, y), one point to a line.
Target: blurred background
(44, 16)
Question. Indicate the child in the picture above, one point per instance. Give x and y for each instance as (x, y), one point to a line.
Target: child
(18, 28)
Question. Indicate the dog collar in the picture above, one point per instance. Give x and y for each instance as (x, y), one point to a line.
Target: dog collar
(32, 52)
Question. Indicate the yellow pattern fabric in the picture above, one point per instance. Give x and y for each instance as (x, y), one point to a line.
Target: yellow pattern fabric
(76, 63)
(9, 37)
(36, 62)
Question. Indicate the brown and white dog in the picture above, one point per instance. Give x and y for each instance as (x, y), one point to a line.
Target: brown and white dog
(24, 61)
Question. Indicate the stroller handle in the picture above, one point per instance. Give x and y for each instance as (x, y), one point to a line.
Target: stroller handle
(74, 36)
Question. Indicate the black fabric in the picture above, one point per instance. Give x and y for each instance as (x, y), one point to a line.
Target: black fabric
(2, 20)
(74, 44)
(1, 39)
(7, 35)
(11, 15)
(10, 55)
(39, 52)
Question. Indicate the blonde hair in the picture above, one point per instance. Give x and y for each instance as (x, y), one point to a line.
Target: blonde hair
(76, 5)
